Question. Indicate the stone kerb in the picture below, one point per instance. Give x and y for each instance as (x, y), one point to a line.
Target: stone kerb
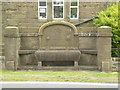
(104, 48)
(12, 44)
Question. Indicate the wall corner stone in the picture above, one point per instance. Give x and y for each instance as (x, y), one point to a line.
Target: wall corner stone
(104, 48)
(12, 45)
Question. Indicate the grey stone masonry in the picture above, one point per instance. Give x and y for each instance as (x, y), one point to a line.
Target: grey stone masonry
(115, 64)
(104, 48)
(94, 45)
(22, 33)
(0, 23)
(24, 14)
(2, 63)
(11, 47)
(2, 58)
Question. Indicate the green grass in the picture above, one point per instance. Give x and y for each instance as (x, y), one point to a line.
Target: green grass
(70, 76)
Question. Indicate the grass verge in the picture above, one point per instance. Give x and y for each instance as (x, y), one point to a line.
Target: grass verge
(69, 76)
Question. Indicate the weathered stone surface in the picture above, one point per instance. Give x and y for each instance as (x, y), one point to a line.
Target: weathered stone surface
(90, 52)
(76, 63)
(94, 52)
(27, 60)
(28, 30)
(0, 22)
(11, 30)
(2, 63)
(87, 42)
(58, 55)
(88, 60)
(26, 52)
(39, 64)
(18, 10)
(25, 34)
(10, 65)
(104, 31)
(104, 48)
(12, 46)
(29, 43)
(106, 66)
(115, 64)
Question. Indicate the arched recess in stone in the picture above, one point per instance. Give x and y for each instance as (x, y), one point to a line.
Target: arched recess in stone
(58, 35)
(41, 29)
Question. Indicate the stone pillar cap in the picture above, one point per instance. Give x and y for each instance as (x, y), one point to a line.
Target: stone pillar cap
(11, 27)
(105, 27)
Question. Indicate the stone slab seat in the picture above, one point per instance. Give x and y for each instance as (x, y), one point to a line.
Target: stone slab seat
(58, 55)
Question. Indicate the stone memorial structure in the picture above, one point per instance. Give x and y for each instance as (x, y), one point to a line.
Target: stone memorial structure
(34, 39)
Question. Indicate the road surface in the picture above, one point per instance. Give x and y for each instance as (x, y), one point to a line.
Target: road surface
(56, 85)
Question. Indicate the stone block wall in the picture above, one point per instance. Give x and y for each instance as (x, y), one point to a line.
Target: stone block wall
(0, 23)
(115, 64)
(21, 35)
(25, 14)
(2, 58)
(21, 45)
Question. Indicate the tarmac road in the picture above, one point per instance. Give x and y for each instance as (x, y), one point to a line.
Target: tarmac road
(56, 85)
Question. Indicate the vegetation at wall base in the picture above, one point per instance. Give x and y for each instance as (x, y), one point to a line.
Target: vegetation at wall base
(111, 17)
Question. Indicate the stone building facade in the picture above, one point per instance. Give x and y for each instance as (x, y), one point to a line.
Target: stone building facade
(31, 42)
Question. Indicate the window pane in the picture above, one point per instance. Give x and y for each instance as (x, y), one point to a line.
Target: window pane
(42, 15)
(42, 12)
(58, 11)
(58, 2)
(73, 2)
(42, 3)
(73, 12)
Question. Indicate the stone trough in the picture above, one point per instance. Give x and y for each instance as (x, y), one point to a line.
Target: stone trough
(58, 55)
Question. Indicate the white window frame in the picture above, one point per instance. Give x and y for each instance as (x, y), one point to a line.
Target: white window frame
(41, 7)
(53, 9)
(74, 7)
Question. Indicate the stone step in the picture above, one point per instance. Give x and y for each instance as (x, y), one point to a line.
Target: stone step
(60, 68)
